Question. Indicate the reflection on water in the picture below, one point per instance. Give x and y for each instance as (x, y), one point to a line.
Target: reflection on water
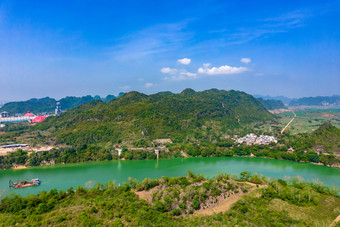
(87, 174)
(119, 165)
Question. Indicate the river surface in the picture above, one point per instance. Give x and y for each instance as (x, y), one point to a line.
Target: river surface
(87, 174)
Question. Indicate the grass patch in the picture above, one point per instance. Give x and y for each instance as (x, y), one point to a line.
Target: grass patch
(321, 214)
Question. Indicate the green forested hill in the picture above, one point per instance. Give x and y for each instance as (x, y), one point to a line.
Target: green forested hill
(327, 136)
(187, 115)
(71, 102)
(48, 104)
(325, 139)
(34, 105)
(272, 104)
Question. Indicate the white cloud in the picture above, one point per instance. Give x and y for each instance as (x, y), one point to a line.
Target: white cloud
(222, 70)
(181, 75)
(184, 61)
(148, 85)
(245, 60)
(206, 65)
(189, 74)
(206, 69)
(126, 87)
(167, 70)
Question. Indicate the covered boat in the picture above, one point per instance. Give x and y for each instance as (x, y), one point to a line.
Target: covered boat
(25, 183)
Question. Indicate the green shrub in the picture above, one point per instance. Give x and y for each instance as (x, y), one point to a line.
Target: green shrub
(195, 204)
(175, 212)
(94, 210)
(216, 192)
(183, 206)
(160, 206)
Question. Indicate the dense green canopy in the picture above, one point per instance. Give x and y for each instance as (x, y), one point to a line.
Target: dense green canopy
(47, 104)
(272, 104)
(163, 115)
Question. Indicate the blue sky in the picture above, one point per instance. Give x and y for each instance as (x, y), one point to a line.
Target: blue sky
(62, 48)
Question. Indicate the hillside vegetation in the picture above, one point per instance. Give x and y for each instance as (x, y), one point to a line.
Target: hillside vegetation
(271, 104)
(193, 124)
(187, 115)
(47, 104)
(325, 138)
(176, 201)
(320, 146)
(34, 105)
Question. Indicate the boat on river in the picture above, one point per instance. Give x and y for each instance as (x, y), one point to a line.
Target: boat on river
(25, 183)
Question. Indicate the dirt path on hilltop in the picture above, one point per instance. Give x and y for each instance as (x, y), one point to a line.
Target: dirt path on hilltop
(223, 205)
(146, 195)
(227, 203)
(337, 219)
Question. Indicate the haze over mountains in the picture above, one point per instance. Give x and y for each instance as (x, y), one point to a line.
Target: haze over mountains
(283, 99)
(316, 101)
(272, 104)
(48, 104)
(333, 100)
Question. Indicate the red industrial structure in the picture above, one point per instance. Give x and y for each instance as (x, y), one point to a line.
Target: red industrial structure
(38, 119)
(29, 114)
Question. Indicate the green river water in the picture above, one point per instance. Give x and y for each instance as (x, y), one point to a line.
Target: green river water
(72, 175)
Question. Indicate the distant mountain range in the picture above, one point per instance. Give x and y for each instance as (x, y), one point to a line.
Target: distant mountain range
(272, 104)
(317, 101)
(305, 101)
(283, 99)
(47, 105)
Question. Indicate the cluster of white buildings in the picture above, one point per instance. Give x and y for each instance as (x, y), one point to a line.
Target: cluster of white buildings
(251, 139)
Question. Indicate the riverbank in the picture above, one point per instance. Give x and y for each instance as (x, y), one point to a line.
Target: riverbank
(314, 163)
(28, 149)
(20, 167)
(184, 155)
(294, 148)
